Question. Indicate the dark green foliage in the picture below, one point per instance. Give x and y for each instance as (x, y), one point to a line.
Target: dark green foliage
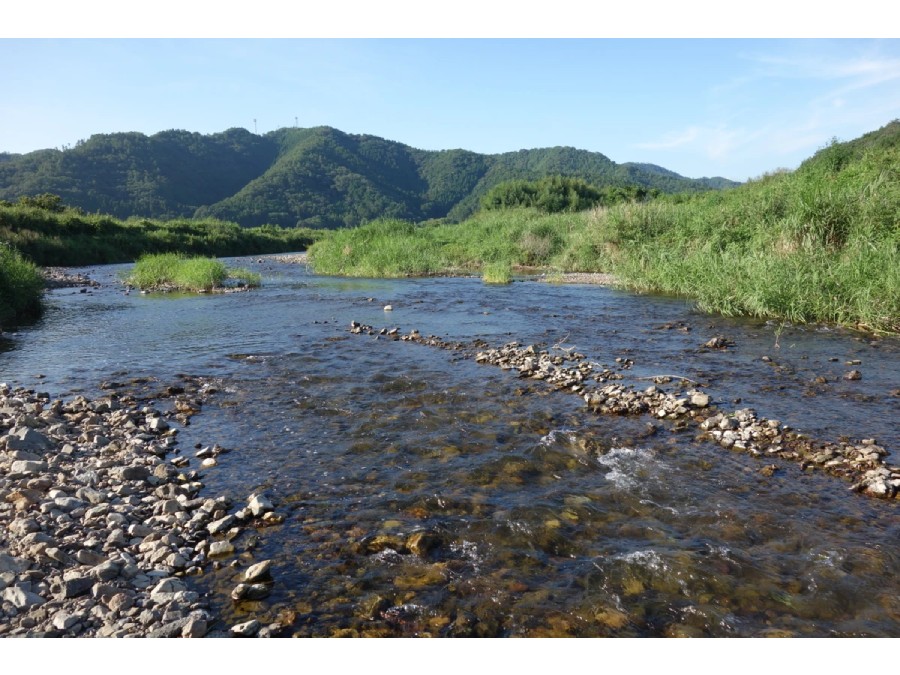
(560, 194)
(46, 201)
(319, 178)
(169, 174)
(70, 237)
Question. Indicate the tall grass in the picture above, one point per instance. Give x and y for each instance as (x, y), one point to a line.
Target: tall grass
(21, 287)
(176, 272)
(497, 272)
(819, 244)
(822, 244)
(392, 248)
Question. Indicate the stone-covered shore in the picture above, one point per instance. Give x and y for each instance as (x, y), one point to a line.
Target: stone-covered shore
(103, 526)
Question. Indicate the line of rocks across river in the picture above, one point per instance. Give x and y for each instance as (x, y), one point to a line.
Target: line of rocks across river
(103, 526)
(863, 463)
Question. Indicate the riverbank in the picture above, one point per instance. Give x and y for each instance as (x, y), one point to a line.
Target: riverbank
(67, 237)
(105, 527)
(817, 245)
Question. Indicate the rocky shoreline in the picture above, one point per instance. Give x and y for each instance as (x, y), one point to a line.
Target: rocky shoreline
(864, 463)
(61, 277)
(104, 531)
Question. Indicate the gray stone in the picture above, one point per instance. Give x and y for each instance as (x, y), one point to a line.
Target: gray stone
(170, 506)
(63, 620)
(195, 628)
(26, 456)
(157, 424)
(700, 400)
(29, 440)
(261, 571)
(57, 554)
(176, 561)
(139, 530)
(220, 548)
(28, 468)
(220, 525)
(68, 504)
(91, 495)
(246, 629)
(134, 473)
(260, 504)
(10, 564)
(20, 598)
(73, 587)
(250, 592)
(170, 630)
(121, 602)
(169, 585)
(106, 571)
(87, 557)
(23, 526)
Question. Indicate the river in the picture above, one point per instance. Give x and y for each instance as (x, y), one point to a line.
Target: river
(538, 517)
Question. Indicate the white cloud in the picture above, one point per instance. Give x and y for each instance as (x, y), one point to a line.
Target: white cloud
(716, 143)
(672, 140)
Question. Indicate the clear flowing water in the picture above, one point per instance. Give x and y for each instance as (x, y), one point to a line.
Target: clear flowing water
(540, 518)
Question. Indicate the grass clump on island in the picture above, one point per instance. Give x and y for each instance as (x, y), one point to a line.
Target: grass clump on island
(175, 272)
(821, 243)
(21, 287)
(497, 272)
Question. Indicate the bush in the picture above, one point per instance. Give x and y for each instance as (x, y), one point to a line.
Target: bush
(496, 272)
(170, 271)
(21, 287)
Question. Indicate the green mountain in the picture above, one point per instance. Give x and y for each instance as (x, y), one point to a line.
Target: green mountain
(318, 177)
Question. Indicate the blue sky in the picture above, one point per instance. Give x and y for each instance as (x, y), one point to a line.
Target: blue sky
(701, 107)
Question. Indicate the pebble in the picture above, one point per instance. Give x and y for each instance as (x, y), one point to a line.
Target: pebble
(99, 533)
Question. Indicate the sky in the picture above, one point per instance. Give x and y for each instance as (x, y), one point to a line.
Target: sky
(701, 107)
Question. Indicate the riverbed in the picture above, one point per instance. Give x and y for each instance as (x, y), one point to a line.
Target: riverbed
(424, 493)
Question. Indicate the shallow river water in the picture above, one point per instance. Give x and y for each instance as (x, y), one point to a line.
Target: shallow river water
(538, 516)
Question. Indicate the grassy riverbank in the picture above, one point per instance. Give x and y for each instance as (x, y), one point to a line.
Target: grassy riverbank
(50, 234)
(21, 286)
(821, 243)
(41, 231)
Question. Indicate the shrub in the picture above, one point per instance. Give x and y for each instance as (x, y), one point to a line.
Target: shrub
(171, 271)
(21, 287)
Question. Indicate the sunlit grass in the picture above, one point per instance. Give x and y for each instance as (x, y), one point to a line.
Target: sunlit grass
(819, 244)
(497, 272)
(170, 271)
(21, 287)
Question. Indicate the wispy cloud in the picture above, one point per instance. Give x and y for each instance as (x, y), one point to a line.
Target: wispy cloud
(716, 143)
(673, 140)
(862, 71)
(786, 103)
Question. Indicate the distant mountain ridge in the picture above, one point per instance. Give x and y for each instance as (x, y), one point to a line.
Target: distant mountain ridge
(316, 177)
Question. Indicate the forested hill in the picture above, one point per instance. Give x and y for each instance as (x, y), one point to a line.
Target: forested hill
(319, 177)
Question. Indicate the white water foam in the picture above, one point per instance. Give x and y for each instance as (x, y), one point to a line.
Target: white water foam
(628, 467)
